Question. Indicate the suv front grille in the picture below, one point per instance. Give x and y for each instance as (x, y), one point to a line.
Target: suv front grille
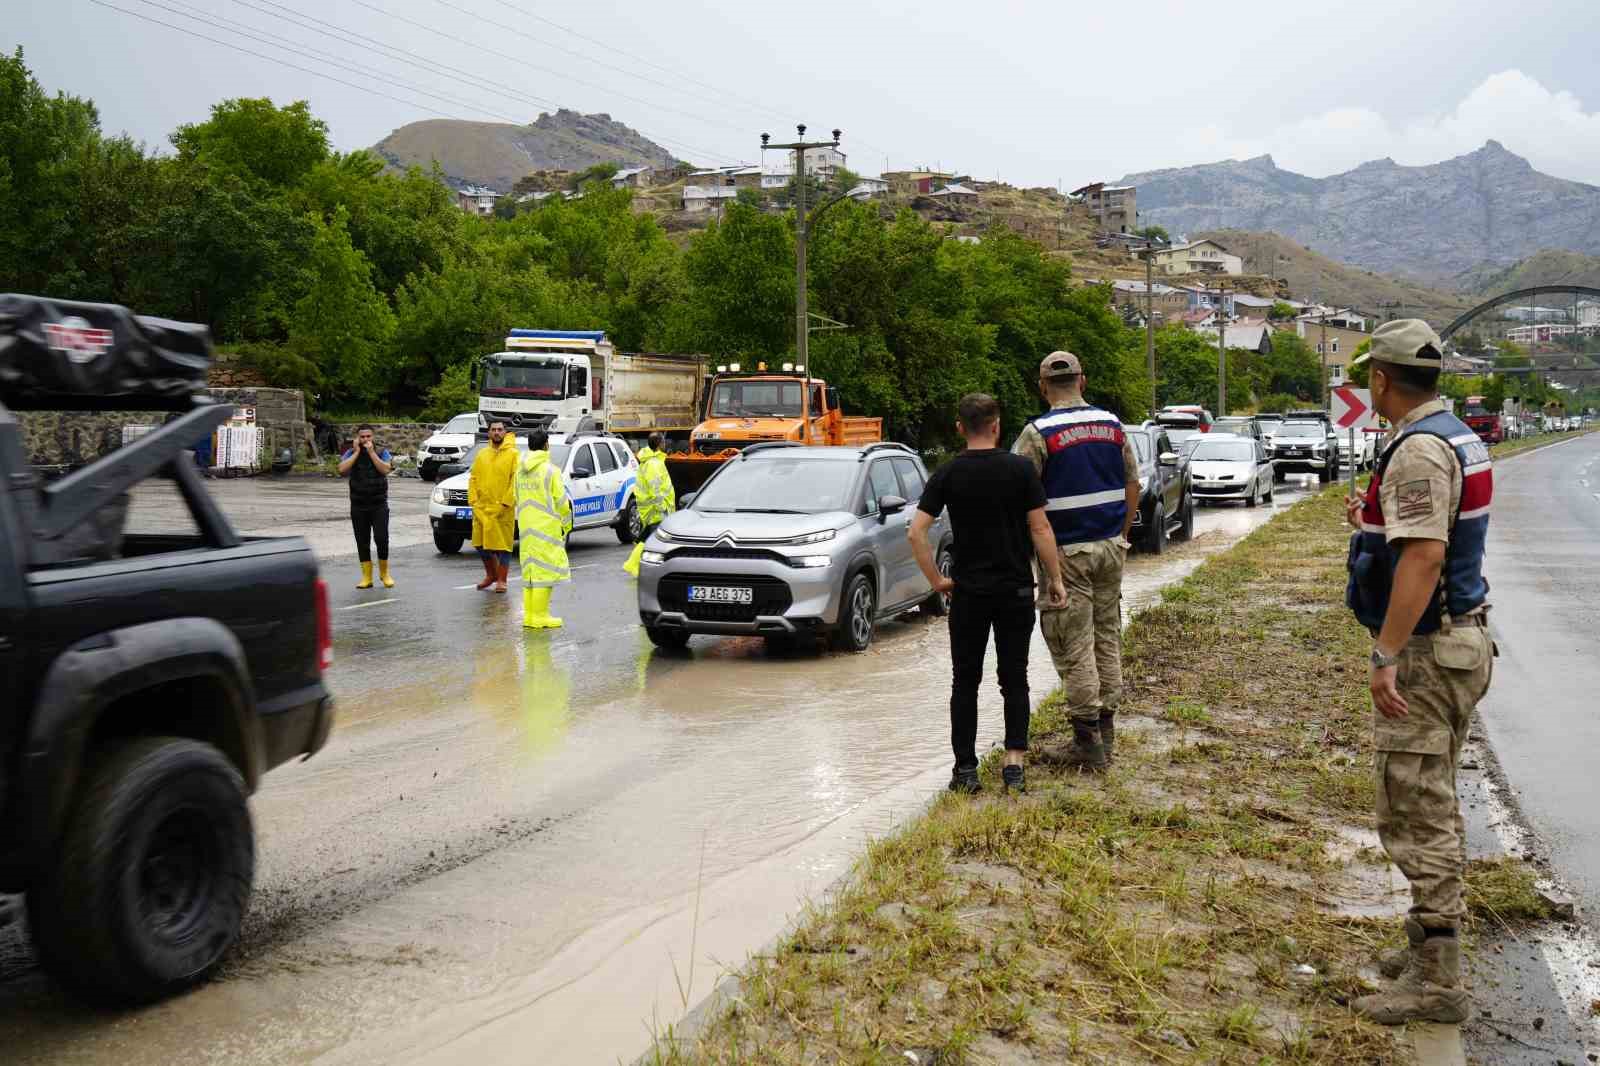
(728, 553)
(456, 497)
(771, 597)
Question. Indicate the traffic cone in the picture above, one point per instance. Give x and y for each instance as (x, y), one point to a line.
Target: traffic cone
(632, 565)
(366, 576)
(383, 574)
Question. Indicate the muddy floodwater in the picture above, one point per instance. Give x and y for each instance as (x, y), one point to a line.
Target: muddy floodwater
(524, 848)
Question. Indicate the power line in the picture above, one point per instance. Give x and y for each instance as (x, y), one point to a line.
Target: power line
(354, 37)
(272, 59)
(366, 72)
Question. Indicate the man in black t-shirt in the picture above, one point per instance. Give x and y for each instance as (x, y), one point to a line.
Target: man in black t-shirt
(997, 511)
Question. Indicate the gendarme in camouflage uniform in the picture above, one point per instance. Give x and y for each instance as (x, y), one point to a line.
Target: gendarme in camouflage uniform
(1420, 543)
(1087, 465)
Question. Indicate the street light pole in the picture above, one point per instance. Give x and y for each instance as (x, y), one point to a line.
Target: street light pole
(1150, 321)
(1222, 349)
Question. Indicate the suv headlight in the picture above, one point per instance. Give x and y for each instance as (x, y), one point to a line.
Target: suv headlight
(819, 537)
(439, 495)
(649, 558)
(812, 562)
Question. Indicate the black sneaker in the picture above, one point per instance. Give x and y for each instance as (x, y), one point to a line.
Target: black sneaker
(965, 779)
(1013, 779)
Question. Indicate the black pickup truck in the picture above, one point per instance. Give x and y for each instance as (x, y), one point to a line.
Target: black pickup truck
(147, 680)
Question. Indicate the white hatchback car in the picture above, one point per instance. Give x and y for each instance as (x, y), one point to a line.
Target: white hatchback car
(600, 473)
(1227, 467)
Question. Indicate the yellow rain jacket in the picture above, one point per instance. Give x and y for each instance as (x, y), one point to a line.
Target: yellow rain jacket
(544, 518)
(491, 490)
(654, 490)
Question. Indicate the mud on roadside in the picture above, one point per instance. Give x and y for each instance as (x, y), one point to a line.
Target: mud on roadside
(1219, 896)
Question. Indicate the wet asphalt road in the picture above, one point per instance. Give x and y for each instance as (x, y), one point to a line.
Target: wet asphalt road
(549, 841)
(1542, 712)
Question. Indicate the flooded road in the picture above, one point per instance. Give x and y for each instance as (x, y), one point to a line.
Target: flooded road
(534, 847)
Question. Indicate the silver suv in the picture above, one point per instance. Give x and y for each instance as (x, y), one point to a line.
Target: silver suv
(787, 541)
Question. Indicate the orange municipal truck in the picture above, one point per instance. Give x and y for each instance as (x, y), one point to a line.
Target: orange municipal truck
(747, 407)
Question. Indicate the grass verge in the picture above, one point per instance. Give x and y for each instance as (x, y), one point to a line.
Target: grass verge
(1212, 899)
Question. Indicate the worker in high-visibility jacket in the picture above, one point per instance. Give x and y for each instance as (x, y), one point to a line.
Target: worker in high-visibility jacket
(544, 518)
(652, 494)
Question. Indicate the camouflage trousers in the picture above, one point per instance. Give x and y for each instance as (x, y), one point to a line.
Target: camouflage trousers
(1085, 637)
(1442, 676)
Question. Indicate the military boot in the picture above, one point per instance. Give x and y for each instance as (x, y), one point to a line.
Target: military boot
(1086, 752)
(1108, 733)
(1394, 963)
(1430, 991)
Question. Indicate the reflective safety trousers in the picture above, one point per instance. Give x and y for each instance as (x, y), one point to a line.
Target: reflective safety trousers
(654, 488)
(544, 518)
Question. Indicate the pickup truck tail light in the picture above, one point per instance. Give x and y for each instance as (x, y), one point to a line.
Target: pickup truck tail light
(324, 627)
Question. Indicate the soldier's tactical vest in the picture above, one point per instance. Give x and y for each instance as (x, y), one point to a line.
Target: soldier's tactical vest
(368, 488)
(1461, 583)
(1084, 477)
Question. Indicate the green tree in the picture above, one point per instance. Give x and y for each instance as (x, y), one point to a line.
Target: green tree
(1281, 311)
(1291, 367)
(253, 137)
(1186, 370)
(342, 325)
(456, 392)
(1154, 233)
(598, 176)
(741, 276)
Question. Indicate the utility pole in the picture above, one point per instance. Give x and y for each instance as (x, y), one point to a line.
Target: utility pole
(1150, 319)
(1323, 350)
(1222, 348)
(802, 317)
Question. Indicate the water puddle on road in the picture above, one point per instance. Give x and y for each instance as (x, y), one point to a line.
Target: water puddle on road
(564, 845)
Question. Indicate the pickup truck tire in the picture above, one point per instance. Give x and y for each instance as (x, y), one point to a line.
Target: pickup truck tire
(448, 543)
(858, 615)
(1155, 541)
(629, 529)
(154, 874)
(1186, 527)
(937, 605)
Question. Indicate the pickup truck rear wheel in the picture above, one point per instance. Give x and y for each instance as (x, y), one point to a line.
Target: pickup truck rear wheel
(154, 874)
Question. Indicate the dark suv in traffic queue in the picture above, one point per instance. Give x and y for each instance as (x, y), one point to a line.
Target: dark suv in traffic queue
(1166, 490)
(1305, 446)
(790, 542)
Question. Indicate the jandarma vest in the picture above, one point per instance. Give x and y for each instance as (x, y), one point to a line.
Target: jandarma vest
(368, 488)
(1084, 477)
(1461, 583)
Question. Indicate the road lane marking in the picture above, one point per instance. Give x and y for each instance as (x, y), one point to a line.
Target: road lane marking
(369, 603)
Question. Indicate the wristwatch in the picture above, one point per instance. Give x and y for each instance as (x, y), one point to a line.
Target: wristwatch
(1381, 661)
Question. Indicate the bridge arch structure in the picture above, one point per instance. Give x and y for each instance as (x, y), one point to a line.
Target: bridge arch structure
(1517, 297)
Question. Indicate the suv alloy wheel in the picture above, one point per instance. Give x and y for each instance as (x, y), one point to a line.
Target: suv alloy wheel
(629, 527)
(857, 615)
(937, 605)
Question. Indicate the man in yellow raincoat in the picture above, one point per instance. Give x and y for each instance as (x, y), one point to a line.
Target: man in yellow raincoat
(491, 490)
(652, 494)
(544, 518)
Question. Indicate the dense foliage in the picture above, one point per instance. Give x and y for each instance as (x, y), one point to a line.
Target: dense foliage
(371, 290)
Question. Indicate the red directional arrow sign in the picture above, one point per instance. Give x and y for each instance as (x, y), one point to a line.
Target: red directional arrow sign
(1352, 408)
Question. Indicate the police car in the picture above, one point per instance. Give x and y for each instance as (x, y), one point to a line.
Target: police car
(600, 473)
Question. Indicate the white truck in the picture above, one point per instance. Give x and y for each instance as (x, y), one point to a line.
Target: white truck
(560, 378)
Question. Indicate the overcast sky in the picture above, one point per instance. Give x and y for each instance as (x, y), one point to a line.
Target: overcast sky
(1031, 93)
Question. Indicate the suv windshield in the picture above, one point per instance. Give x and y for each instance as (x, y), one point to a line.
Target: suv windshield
(733, 399)
(780, 485)
(1268, 426)
(1231, 425)
(1302, 431)
(461, 424)
(1233, 451)
(543, 378)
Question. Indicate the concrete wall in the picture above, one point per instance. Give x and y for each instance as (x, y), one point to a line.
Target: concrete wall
(401, 438)
(72, 438)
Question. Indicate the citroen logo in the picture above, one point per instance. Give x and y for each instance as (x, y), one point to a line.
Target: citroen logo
(726, 540)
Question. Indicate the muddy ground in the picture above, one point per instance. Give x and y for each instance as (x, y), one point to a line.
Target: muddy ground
(510, 832)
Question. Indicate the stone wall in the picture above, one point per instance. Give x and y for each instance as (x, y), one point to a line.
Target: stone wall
(58, 439)
(401, 438)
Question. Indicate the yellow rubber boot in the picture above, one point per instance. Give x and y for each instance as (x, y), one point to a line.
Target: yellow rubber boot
(536, 609)
(366, 576)
(383, 574)
(632, 565)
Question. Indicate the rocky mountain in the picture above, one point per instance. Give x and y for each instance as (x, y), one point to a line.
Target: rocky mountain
(1545, 268)
(1313, 276)
(1433, 222)
(496, 154)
